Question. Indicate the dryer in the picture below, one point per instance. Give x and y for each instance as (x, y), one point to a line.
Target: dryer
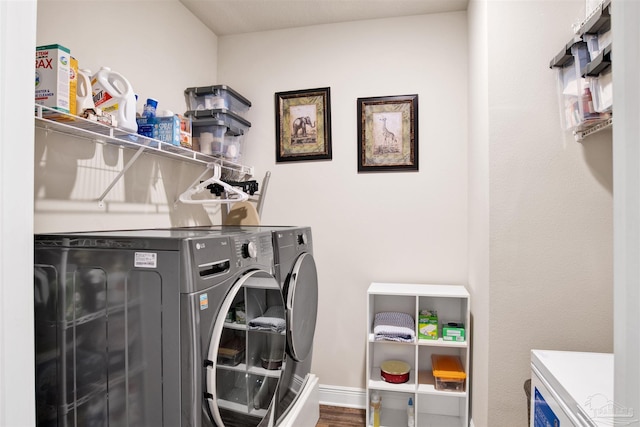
(296, 272)
(168, 327)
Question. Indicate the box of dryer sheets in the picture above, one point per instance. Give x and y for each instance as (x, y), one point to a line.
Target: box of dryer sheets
(52, 76)
(185, 131)
(453, 331)
(428, 325)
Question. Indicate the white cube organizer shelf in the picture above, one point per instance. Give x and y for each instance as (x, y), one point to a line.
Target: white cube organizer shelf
(432, 408)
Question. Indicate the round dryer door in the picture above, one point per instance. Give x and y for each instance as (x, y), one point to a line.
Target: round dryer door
(246, 352)
(301, 289)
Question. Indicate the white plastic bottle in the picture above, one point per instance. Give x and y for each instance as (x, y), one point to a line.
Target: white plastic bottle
(84, 94)
(410, 414)
(114, 94)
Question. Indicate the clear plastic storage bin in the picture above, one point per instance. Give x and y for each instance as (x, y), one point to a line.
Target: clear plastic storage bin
(577, 111)
(600, 78)
(215, 137)
(597, 29)
(216, 97)
(228, 117)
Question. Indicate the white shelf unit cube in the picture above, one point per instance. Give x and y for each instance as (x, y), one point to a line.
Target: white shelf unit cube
(432, 408)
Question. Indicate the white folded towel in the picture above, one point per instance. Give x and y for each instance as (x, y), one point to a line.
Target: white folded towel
(272, 320)
(394, 326)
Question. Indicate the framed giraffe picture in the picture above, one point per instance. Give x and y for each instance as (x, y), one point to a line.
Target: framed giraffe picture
(388, 133)
(303, 125)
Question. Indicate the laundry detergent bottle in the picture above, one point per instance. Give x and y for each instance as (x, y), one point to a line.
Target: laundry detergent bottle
(114, 95)
(84, 93)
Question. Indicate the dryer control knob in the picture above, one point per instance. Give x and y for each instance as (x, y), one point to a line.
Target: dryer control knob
(302, 239)
(249, 250)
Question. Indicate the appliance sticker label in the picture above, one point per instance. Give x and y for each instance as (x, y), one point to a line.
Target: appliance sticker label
(146, 260)
(204, 302)
(543, 416)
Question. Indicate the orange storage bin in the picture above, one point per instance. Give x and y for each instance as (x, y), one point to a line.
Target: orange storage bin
(448, 372)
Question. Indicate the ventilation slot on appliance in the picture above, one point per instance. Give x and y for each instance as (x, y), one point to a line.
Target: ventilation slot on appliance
(214, 268)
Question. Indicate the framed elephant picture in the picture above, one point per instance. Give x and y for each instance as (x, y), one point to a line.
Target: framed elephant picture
(303, 125)
(388, 133)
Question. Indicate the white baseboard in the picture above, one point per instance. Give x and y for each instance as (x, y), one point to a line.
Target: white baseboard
(348, 397)
(471, 424)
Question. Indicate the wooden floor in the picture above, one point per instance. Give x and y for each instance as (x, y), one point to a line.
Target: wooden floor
(336, 416)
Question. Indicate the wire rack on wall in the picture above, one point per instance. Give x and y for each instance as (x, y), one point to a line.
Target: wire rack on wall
(51, 120)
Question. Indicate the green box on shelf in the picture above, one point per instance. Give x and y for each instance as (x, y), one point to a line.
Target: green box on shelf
(453, 331)
(428, 325)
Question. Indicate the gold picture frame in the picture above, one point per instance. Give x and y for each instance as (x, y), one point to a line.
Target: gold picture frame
(303, 125)
(388, 133)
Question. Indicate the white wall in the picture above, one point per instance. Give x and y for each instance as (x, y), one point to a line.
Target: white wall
(161, 49)
(550, 222)
(626, 156)
(17, 44)
(479, 208)
(409, 227)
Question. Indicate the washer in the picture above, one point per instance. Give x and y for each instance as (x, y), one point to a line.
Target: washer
(296, 273)
(170, 327)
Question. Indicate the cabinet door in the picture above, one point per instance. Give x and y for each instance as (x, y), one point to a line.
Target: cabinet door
(246, 351)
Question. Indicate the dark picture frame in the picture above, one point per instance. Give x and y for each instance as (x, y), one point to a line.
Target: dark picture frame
(388, 133)
(303, 125)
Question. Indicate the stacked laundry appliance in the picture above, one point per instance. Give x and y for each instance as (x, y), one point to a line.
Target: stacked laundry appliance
(171, 327)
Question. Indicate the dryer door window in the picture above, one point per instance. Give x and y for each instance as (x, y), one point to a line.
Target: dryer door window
(246, 352)
(301, 289)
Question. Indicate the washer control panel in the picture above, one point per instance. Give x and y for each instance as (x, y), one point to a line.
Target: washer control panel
(254, 249)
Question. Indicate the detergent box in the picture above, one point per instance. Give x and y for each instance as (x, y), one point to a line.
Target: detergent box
(165, 129)
(53, 64)
(73, 86)
(428, 325)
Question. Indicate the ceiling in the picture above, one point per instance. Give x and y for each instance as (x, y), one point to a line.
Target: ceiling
(227, 17)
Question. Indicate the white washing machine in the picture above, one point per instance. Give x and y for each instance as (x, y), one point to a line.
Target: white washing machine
(169, 327)
(571, 388)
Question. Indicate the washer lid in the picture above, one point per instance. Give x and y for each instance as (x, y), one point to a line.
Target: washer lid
(302, 306)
